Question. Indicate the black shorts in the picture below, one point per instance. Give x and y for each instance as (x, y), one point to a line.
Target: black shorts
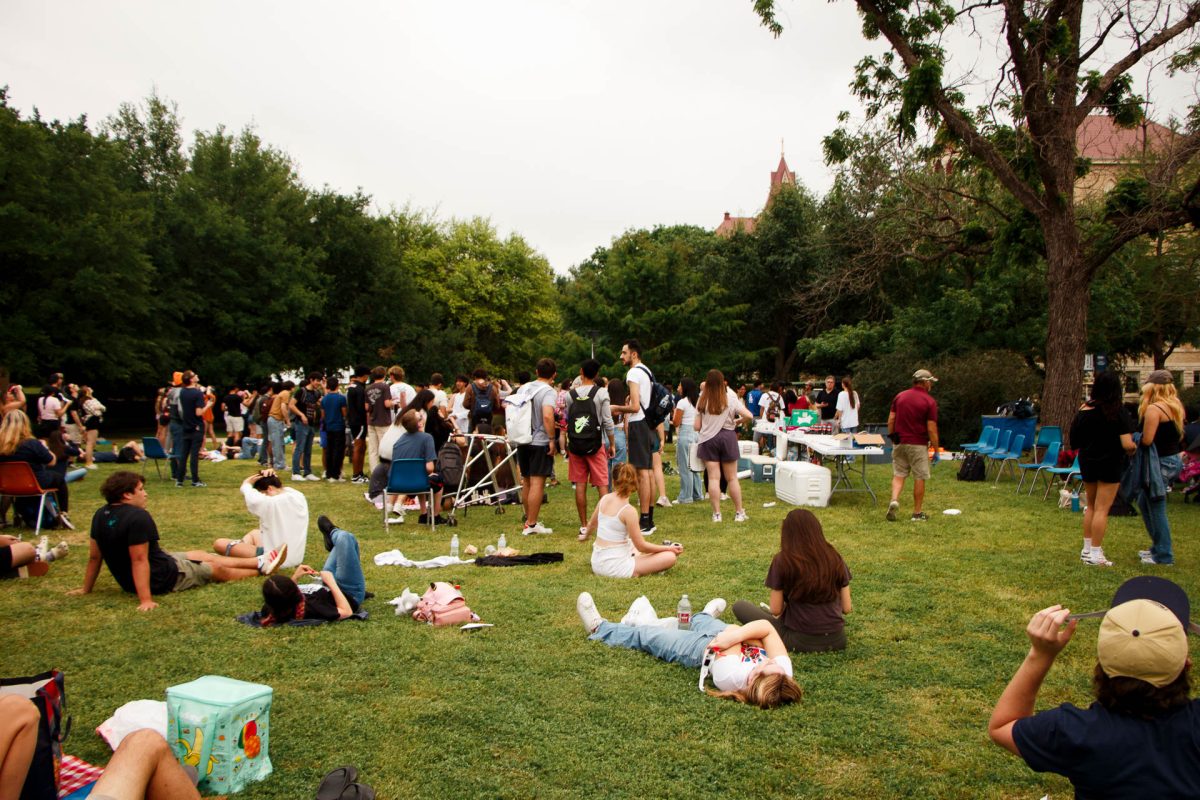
(358, 433)
(92, 424)
(535, 460)
(640, 444)
(5, 559)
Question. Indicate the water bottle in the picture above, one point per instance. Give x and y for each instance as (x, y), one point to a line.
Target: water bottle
(454, 546)
(683, 612)
(1075, 501)
(501, 543)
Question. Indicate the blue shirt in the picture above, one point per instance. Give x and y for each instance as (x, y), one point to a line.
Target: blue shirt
(414, 445)
(331, 407)
(752, 398)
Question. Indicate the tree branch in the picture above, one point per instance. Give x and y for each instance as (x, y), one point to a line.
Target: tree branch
(1091, 51)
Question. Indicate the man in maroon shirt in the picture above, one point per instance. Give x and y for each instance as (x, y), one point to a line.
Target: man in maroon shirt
(912, 427)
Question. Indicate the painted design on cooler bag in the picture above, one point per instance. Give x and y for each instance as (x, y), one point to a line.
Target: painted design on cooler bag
(192, 751)
(249, 740)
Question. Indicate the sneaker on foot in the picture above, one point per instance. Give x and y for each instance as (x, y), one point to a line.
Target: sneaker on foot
(741, 516)
(1143, 554)
(326, 526)
(395, 519)
(893, 507)
(724, 496)
(311, 477)
(1096, 558)
(65, 520)
(536, 527)
(178, 484)
(588, 614)
(717, 517)
(649, 531)
(920, 516)
(268, 563)
(663, 502)
(199, 485)
(58, 551)
(296, 476)
(715, 607)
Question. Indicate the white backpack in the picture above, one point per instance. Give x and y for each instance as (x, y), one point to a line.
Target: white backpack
(518, 415)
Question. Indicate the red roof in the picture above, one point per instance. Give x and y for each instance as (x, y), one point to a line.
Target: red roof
(1101, 139)
(731, 225)
(780, 176)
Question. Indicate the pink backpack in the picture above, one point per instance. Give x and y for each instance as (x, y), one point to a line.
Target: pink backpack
(442, 604)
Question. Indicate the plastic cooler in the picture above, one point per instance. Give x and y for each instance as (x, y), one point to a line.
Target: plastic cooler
(221, 726)
(762, 469)
(746, 448)
(803, 484)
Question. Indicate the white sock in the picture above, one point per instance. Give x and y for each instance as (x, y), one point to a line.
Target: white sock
(1087, 543)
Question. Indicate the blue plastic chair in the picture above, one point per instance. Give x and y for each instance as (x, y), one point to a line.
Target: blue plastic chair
(1049, 460)
(999, 445)
(1002, 457)
(1048, 435)
(408, 476)
(1068, 473)
(153, 450)
(987, 438)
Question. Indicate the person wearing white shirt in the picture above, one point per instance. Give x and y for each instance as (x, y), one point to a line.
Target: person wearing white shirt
(847, 407)
(401, 392)
(440, 401)
(282, 519)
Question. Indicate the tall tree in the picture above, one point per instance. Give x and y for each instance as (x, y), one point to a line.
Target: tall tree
(1059, 69)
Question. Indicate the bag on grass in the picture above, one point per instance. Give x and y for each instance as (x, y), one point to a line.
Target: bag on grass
(442, 604)
(973, 468)
(48, 692)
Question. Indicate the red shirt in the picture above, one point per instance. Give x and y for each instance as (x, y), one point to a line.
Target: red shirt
(914, 409)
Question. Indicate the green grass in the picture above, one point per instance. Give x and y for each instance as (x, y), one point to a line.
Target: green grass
(530, 708)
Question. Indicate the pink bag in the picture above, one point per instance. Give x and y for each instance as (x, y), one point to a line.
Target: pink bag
(442, 604)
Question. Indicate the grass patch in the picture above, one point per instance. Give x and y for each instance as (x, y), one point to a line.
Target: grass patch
(530, 708)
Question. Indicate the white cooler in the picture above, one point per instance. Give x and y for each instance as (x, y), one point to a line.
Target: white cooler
(745, 450)
(762, 469)
(800, 483)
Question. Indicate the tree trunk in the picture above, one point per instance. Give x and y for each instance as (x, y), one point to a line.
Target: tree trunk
(1066, 331)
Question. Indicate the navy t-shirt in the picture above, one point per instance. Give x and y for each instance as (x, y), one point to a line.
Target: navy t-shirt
(331, 407)
(1112, 755)
(116, 529)
(192, 401)
(415, 445)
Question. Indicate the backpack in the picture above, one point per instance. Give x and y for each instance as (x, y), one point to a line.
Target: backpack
(518, 416)
(482, 405)
(442, 604)
(450, 463)
(583, 423)
(972, 469)
(662, 401)
(773, 407)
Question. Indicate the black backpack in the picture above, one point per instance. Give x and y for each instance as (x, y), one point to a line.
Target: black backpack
(662, 401)
(584, 432)
(973, 468)
(482, 408)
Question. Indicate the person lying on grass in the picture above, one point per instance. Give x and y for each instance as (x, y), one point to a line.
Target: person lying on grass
(751, 663)
(810, 588)
(125, 538)
(338, 594)
(620, 550)
(1139, 739)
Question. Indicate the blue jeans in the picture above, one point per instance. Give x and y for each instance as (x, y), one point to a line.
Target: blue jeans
(620, 453)
(691, 484)
(275, 431)
(344, 563)
(665, 644)
(192, 439)
(73, 475)
(1154, 514)
(175, 429)
(251, 448)
(302, 450)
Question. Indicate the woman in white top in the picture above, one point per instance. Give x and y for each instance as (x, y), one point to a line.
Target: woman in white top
(620, 550)
(750, 663)
(93, 416)
(691, 484)
(847, 407)
(717, 416)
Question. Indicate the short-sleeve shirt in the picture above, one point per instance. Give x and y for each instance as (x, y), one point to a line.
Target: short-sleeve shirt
(914, 409)
(729, 673)
(233, 405)
(319, 602)
(810, 618)
(830, 400)
(641, 376)
(417, 444)
(752, 400)
(688, 418)
(116, 528)
(192, 401)
(849, 415)
(279, 406)
(36, 455)
(712, 424)
(356, 402)
(402, 394)
(540, 395)
(378, 414)
(1105, 754)
(331, 407)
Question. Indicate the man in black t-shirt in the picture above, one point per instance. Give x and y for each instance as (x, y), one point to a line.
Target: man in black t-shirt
(125, 538)
(356, 421)
(827, 399)
(234, 420)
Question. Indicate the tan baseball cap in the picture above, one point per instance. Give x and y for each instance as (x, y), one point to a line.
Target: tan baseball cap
(1142, 639)
(924, 375)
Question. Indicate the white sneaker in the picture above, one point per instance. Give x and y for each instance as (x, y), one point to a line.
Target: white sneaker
(536, 527)
(311, 477)
(724, 496)
(588, 614)
(893, 507)
(268, 563)
(741, 516)
(1096, 558)
(663, 502)
(640, 612)
(395, 519)
(1144, 554)
(715, 607)
(296, 476)
(717, 517)
(58, 551)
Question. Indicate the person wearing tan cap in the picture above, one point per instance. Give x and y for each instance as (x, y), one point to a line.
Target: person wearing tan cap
(912, 427)
(1141, 737)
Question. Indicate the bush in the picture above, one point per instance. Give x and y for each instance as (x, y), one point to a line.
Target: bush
(968, 386)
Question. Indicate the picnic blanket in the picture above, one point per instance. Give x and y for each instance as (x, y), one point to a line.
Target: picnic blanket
(516, 561)
(76, 778)
(254, 619)
(394, 558)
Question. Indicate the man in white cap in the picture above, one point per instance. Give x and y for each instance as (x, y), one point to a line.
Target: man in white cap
(912, 427)
(1141, 738)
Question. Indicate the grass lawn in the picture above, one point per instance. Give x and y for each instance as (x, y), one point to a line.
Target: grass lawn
(531, 708)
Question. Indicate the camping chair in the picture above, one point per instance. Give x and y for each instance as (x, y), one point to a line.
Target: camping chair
(153, 449)
(1012, 454)
(986, 439)
(1049, 460)
(997, 445)
(408, 476)
(17, 480)
(1068, 473)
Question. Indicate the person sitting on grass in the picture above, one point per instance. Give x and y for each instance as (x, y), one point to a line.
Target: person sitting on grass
(282, 520)
(125, 538)
(15, 555)
(338, 595)
(810, 588)
(1139, 739)
(751, 664)
(620, 550)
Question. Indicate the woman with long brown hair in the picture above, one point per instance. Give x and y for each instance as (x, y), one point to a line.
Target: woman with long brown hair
(1161, 415)
(18, 444)
(810, 588)
(718, 412)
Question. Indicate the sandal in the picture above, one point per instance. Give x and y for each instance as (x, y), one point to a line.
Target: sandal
(358, 791)
(335, 783)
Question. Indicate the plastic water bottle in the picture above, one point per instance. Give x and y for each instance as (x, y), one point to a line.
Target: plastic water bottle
(683, 612)
(501, 543)
(1075, 501)
(454, 546)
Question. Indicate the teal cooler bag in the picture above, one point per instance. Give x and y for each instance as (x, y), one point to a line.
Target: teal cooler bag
(221, 727)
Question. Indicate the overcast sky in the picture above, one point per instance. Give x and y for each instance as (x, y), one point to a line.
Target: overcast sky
(567, 122)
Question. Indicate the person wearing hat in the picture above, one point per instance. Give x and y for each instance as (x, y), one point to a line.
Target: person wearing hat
(912, 427)
(1161, 415)
(1140, 737)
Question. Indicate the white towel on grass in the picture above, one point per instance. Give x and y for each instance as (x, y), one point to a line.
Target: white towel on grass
(394, 558)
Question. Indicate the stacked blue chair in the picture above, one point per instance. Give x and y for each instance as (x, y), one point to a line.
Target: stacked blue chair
(1002, 457)
(1049, 461)
(997, 444)
(987, 438)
